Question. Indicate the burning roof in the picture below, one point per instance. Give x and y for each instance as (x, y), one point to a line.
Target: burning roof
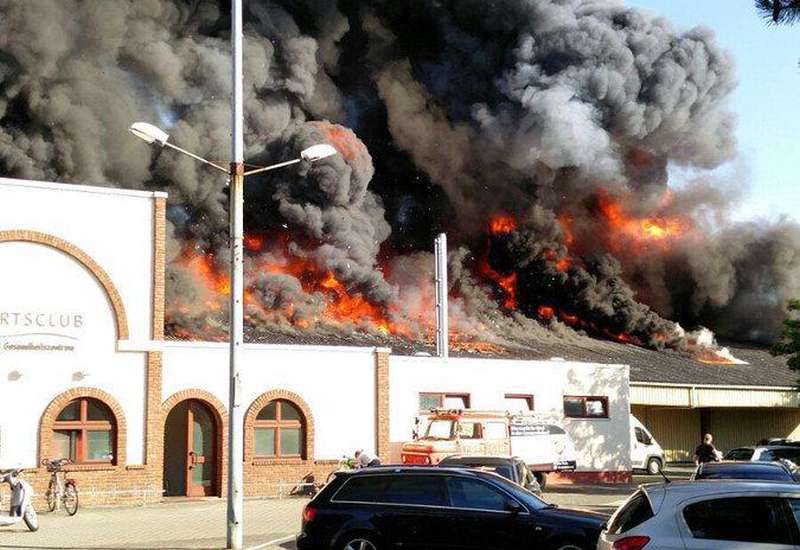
(537, 135)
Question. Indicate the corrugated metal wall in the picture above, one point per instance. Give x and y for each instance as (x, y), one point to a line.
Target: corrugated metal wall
(678, 429)
(741, 427)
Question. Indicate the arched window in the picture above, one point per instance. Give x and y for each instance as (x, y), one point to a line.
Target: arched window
(280, 430)
(84, 431)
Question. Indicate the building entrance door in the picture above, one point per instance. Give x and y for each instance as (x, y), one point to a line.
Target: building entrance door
(190, 450)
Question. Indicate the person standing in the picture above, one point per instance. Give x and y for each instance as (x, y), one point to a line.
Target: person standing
(705, 452)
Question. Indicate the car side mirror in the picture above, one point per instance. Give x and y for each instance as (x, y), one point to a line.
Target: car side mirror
(513, 506)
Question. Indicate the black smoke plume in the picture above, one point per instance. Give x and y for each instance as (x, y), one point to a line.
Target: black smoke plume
(562, 114)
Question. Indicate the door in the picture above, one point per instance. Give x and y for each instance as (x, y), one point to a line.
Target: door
(200, 459)
(190, 450)
(481, 518)
(412, 513)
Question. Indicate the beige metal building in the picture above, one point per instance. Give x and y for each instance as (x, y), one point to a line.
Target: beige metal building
(739, 404)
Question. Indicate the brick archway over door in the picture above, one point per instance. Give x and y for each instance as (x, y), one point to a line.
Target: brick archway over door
(220, 416)
(86, 260)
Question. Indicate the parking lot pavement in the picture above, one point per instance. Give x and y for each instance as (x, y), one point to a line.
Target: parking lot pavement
(269, 524)
(173, 525)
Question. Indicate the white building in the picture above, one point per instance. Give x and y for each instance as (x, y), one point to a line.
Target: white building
(85, 371)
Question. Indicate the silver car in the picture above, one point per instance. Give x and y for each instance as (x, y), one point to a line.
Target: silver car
(713, 514)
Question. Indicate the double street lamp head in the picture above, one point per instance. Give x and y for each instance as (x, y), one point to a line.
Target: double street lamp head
(153, 134)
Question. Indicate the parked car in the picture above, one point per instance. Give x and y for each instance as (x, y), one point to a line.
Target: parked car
(709, 514)
(540, 440)
(510, 467)
(766, 471)
(765, 453)
(422, 508)
(779, 441)
(646, 453)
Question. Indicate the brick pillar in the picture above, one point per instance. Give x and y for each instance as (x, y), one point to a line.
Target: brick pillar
(159, 258)
(382, 403)
(154, 414)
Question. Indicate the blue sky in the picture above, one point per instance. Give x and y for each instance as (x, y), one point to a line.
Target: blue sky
(766, 101)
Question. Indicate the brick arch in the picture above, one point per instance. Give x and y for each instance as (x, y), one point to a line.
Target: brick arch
(62, 400)
(260, 402)
(86, 260)
(221, 417)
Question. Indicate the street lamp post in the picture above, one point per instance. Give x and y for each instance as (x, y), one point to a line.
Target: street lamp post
(236, 173)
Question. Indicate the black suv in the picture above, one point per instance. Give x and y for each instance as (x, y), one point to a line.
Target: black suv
(429, 508)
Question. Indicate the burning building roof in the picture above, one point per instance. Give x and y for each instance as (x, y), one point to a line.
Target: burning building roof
(537, 135)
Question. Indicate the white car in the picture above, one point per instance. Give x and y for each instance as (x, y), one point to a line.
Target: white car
(734, 515)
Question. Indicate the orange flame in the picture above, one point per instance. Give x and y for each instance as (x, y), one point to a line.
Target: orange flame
(659, 230)
(502, 224)
(546, 312)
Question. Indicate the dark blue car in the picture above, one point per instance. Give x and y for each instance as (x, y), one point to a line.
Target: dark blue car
(424, 508)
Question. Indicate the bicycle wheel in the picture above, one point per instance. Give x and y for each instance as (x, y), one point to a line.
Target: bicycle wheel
(51, 495)
(71, 499)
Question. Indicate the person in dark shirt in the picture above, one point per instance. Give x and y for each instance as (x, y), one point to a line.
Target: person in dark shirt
(705, 452)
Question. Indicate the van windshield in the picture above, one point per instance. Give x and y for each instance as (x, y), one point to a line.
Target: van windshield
(439, 429)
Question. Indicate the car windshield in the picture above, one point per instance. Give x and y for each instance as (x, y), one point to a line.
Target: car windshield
(791, 455)
(439, 429)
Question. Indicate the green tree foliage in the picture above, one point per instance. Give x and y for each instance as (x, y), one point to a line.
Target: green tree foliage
(789, 342)
(779, 11)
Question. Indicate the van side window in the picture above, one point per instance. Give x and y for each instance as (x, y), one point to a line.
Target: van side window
(642, 437)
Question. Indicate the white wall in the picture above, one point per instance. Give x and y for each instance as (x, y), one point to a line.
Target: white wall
(112, 226)
(602, 444)
(36, 278)
(337, 383)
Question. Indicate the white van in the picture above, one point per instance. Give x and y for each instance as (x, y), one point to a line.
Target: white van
(646, 453)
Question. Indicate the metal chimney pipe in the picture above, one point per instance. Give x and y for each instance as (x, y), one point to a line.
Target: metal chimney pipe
(441, 296)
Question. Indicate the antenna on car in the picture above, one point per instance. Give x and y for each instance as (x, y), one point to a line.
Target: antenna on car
(666, 479)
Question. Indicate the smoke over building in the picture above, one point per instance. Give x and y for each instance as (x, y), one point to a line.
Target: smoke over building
(537, 134)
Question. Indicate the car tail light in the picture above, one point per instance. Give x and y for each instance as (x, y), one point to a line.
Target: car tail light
(631, 543)
(309, 513)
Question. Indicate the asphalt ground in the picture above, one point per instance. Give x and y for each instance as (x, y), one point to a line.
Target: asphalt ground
(269, 523)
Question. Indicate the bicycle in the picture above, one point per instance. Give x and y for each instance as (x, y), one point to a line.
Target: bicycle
(61, 487)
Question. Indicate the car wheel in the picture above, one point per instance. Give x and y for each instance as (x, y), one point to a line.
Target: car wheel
(569, 545)
(359, 542)
(653, 466)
